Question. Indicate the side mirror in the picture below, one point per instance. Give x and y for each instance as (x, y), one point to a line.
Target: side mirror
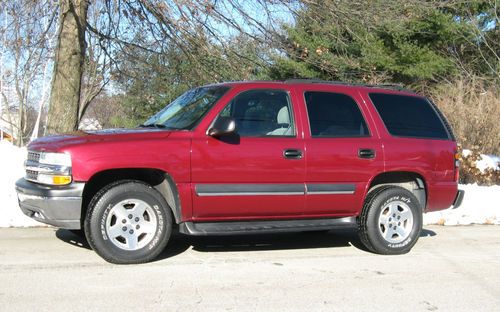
(222, 126)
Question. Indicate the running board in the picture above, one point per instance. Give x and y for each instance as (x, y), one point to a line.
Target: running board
(251, 227)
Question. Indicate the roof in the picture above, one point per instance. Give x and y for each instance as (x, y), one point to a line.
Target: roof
(391, 87)
(6, 131)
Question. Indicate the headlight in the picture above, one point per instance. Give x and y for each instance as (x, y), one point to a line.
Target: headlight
(48, 168)
(55, 159)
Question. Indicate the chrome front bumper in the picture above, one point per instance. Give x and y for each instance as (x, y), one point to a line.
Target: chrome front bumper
(58, 206)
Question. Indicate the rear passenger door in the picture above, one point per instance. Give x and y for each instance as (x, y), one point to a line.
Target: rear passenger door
(343, 150)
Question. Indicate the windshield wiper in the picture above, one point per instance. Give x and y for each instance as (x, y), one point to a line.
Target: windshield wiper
(154, 125)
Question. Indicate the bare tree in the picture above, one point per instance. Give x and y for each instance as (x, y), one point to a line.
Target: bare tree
(82, 69)
(98, 62)
(4, 101)
(484, 44)
(47, 71)
(68, 67)
(27, 26)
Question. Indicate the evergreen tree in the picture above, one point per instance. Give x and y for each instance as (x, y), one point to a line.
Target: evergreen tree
(377, 41)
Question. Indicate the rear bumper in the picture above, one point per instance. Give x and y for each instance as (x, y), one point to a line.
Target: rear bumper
(57, 206)
(458, 199)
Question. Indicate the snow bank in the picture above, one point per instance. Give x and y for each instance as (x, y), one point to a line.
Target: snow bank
(11, 168)
(481, 204)
(486, 161)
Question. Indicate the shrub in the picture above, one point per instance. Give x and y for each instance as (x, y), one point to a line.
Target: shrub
(472, 106)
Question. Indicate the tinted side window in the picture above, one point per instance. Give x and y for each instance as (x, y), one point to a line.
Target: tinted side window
(261, 113)
(334, 115)
(409, 116)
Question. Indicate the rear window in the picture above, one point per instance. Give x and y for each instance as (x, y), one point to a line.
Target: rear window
(409, 116)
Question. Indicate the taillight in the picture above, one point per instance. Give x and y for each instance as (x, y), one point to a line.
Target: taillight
(457, 165)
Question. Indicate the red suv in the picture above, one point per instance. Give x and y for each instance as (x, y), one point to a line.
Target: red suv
(251, 157)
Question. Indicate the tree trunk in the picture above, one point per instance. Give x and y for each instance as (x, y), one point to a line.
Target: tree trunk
(68, 67)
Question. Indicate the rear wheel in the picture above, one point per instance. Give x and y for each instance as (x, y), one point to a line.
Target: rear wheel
(391, 220)
(128, 222)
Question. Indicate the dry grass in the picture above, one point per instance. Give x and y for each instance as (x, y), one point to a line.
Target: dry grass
(473, 109)
(472, 106)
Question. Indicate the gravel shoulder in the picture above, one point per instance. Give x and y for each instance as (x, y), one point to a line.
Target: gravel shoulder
(450, 269)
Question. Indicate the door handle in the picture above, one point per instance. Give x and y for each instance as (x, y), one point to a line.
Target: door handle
(366, 153)
(292, 154)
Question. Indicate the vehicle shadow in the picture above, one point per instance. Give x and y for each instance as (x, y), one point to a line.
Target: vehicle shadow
(176, 245)
(427, 233)
(179, 243)
(258, 242)
(75, 238)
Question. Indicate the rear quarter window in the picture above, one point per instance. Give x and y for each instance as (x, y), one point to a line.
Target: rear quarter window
(409, 116)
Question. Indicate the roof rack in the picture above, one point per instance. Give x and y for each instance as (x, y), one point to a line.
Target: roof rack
(397, 87)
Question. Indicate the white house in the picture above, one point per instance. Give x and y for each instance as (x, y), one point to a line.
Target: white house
(89, 124)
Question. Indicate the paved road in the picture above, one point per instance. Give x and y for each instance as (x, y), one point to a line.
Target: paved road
(450, 269)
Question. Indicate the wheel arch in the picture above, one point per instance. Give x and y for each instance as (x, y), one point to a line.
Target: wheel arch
(156, 178)
(412, 181)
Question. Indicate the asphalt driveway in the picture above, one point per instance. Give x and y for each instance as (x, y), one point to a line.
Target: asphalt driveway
(450, 269)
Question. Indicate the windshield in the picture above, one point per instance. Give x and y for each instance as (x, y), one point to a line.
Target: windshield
(185, 112)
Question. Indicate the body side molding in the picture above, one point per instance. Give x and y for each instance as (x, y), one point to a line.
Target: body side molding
(249, 189)
(330, 188)
(273, 189)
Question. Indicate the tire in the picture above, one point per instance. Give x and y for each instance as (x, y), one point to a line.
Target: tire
(128, 222)
(391, 221)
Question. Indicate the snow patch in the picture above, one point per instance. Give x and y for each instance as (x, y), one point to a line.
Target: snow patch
(466, 152)
(486, 161)
(481, 205)
(11, 169)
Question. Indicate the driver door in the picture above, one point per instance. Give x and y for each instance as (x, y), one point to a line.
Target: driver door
(257, 172)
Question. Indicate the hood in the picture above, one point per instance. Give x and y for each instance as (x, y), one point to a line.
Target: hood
(57, 143)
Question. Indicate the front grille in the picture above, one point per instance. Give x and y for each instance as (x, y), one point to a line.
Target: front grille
(33, 156)
(33, 160)
(31, 175)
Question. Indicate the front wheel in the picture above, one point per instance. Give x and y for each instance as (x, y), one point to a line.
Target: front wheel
(391, 221)
(128, 222)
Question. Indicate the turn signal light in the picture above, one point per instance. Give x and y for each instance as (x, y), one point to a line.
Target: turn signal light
(61, 180)
(457, 165)
(54, 179)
